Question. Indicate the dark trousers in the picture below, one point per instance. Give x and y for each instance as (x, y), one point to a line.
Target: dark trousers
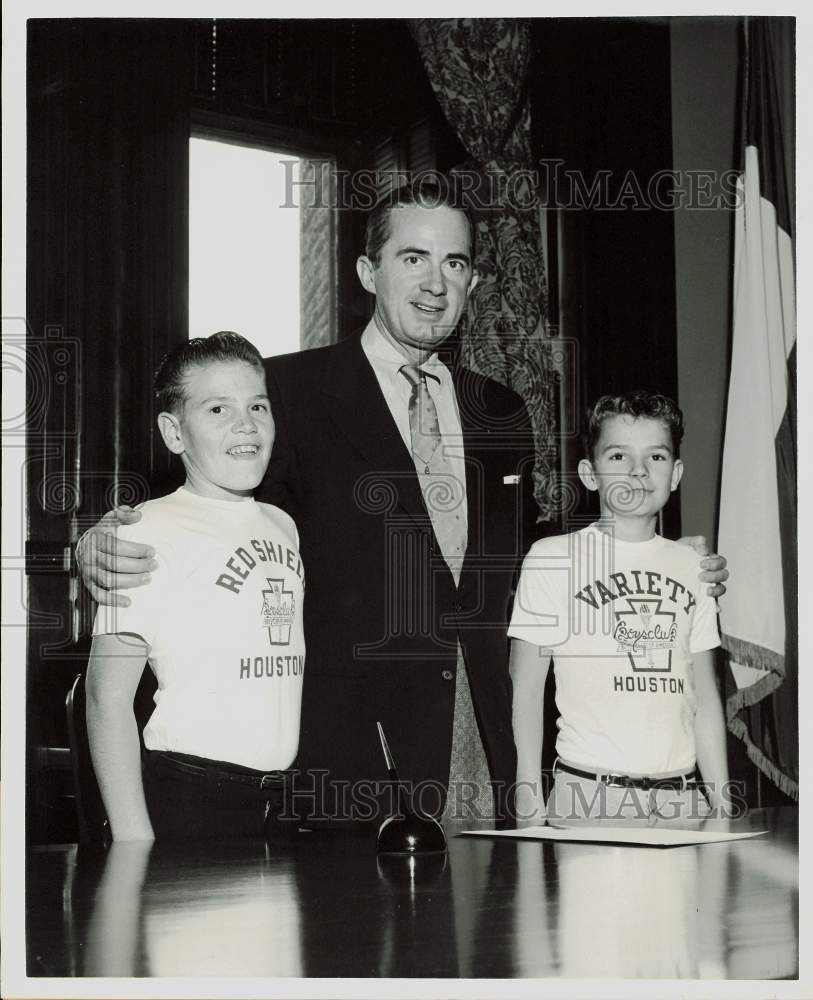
(192, 798)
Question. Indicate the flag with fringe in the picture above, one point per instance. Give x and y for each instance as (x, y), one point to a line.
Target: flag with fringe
(758, 494)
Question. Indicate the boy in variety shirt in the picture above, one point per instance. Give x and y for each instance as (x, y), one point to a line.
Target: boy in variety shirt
(631, 630)
(220, 621)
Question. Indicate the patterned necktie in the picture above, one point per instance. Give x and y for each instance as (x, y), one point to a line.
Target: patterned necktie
(424, 428)
(444, 496)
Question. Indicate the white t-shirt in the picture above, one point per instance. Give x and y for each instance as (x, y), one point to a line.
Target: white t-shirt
(222, 617)
(622, 620)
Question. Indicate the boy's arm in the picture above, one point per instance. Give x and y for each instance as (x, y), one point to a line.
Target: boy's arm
(115, 668)
(710, 731)
(529, 669)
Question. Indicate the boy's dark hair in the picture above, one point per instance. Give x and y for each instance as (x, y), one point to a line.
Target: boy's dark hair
(428, 190)
(168, 383)
(632, 404)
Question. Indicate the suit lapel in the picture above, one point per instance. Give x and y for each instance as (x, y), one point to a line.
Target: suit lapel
(471, 428)
(358, 406)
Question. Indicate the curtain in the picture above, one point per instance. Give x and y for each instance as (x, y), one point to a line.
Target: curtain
(478, 68)
(317, 254)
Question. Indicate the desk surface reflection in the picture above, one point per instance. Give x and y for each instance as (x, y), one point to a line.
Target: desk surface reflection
(327, 906)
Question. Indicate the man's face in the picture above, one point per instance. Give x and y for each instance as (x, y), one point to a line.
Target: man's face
(423, 278)
(634, 468)
(225, 431)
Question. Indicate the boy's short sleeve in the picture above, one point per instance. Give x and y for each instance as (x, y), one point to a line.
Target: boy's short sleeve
(705, 632)
(148, 600)
(540, 606)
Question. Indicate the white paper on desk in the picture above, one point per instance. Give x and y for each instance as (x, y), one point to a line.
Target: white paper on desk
(647, 836)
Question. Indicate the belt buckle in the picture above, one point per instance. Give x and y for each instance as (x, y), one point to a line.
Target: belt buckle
(274, 780)
(616, 780)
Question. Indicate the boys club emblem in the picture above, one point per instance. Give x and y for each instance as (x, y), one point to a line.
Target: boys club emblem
(278, 612)
(645, 632)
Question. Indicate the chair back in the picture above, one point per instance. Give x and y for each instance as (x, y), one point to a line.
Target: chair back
(90, 813)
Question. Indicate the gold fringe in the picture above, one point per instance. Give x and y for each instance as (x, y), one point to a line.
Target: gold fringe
(782, 781)
(760, 658)
(751, 655)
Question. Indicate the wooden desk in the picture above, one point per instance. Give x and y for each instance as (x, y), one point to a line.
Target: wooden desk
(326, 906)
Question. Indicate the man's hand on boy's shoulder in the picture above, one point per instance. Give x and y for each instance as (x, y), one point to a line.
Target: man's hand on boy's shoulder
(108, 564)
(713, 565)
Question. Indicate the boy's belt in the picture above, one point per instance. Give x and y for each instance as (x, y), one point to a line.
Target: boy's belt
(218, 771)
(675, 783)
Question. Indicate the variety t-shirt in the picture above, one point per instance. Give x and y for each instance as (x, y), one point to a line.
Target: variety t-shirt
(622, 621)
(222, 618)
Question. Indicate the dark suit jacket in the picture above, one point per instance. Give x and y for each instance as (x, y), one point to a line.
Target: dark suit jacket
(382, 613)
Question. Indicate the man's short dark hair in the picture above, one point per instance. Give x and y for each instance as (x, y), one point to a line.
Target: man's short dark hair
(168, 384)
(632, 404)
(431, 190)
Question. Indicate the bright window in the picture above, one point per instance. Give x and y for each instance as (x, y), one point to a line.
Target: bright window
(244, 246)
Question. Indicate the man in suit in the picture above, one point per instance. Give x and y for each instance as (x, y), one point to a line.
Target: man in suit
(409, 480)
(409, 547)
